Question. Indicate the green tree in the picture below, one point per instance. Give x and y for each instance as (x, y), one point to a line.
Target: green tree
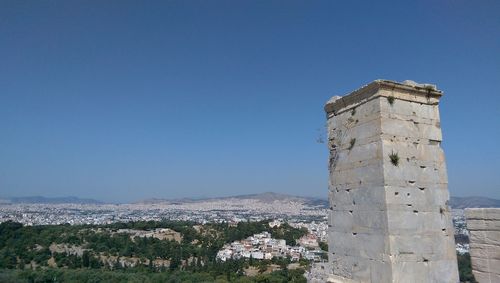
(464, 268)
(323, 246)
(85, 259)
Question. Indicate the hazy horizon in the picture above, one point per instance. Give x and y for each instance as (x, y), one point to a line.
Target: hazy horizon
(123, 100)
(156, 197)
(325, 197)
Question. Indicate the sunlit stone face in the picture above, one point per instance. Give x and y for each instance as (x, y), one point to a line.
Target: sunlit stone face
(389, 219)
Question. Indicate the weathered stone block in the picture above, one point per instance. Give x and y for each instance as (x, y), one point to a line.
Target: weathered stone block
(409, 108)
(485, 250)
(484, 264)
(485, 214)
(443, 270)
(422, 246)
(411, 272)
(369, 174)
(431, 197)
(360, 198)
(485, 237)
(380, 271)
(483, 225)
(410, 222)
(484, 228)
(486, 277)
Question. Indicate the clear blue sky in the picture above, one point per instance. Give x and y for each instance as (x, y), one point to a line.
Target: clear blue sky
(124, 100)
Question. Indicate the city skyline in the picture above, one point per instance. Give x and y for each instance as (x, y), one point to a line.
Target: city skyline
(207, 99)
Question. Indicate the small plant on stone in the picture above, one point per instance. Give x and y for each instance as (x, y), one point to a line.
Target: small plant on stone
(353, 111)
(394, 158)
(351, 143)
(390, 99)
(441, 210)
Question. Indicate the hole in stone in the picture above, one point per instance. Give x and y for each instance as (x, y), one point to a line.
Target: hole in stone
(354, 234)
(411, 182)
(396, 193)
(350, 211)
(408, 205)
(425, 260)
(408, 194)
(353, 202)
(423, 167)
(415, 211)
(347, 190)
(421, 189)
(408, 159)
(444, 229)
(434, 142)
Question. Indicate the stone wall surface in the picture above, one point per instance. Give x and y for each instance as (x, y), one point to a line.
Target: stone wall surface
(388, 221)
(484, 228)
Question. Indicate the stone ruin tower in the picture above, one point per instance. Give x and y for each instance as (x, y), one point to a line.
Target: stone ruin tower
(389, 219)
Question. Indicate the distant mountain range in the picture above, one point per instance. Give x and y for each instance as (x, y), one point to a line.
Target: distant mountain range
(51, 200)
(465, 202)
(268, 197)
